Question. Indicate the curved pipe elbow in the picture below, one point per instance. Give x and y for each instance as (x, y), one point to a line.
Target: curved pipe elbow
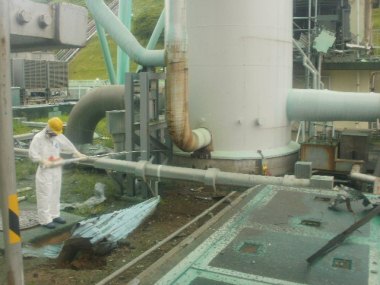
(203, 137)
(192, 140)
(123, 37)
(90, 109)
(177, 89)
(177, 111)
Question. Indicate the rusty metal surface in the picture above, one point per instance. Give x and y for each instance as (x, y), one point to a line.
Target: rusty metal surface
(177, 112)
(322, 155)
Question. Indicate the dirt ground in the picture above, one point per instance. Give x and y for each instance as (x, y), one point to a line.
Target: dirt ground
(178, 206)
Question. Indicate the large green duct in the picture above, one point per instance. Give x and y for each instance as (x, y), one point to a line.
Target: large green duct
(327, 105)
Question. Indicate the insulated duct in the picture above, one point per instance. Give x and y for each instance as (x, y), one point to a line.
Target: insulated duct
(177, 90)
(326, 105)
(90, 109)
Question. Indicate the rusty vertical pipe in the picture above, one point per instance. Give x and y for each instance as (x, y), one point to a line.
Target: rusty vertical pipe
(177, 101)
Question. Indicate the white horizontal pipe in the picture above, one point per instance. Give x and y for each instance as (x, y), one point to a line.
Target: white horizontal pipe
(357, 175)
(363, 177)
(210, 177)
(326, 105)
(27, 136)
(21, 152)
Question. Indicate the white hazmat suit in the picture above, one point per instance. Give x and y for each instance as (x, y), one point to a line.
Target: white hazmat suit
(44, 148)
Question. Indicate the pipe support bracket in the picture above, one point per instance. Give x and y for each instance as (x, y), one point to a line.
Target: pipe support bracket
(210, 177)
(140, 169)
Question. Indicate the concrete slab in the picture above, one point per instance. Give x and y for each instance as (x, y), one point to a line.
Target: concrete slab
(39, 233)
(267, 237)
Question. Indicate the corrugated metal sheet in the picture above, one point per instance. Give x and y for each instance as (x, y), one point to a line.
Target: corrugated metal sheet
(116, 225)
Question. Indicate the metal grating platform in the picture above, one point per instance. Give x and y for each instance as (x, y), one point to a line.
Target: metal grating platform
(266, 239)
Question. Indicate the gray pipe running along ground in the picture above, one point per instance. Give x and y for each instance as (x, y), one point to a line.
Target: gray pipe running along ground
(327, 105)
(211, 177)
(90, 109)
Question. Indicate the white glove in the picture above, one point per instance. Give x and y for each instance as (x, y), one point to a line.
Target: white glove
(46, 163)
(51, 162)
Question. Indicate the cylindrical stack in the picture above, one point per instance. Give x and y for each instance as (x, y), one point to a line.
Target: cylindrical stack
(240, 72)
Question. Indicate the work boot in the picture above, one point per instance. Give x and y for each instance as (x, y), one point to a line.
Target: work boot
(50, 225)
(59, 220)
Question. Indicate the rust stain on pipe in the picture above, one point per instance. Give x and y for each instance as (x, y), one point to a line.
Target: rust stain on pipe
(177, 101)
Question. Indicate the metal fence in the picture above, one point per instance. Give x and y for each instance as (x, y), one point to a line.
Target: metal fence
(78, 88)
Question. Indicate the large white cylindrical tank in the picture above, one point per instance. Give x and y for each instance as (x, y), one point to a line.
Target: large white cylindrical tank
(240, 71)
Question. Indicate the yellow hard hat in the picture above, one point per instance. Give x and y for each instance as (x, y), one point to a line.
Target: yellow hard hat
(56, 125)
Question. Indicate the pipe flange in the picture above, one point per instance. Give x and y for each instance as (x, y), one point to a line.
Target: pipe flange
(140, 169)
(210, 177)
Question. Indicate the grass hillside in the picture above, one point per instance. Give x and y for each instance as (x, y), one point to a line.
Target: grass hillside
(376, 27)
(376, 18)
(89, 63)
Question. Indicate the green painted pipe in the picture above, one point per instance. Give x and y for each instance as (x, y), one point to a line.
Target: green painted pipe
(123, 37)
(326, 105)
(106, 53)
(125, 15)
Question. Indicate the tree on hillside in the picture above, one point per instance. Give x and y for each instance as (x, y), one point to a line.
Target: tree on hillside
(144, 20)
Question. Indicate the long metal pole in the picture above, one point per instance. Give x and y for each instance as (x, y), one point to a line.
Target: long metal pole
(8, 193)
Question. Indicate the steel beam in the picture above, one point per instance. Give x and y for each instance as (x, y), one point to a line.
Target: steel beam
(36, 26)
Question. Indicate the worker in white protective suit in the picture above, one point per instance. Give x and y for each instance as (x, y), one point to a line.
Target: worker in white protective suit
(45, 149)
